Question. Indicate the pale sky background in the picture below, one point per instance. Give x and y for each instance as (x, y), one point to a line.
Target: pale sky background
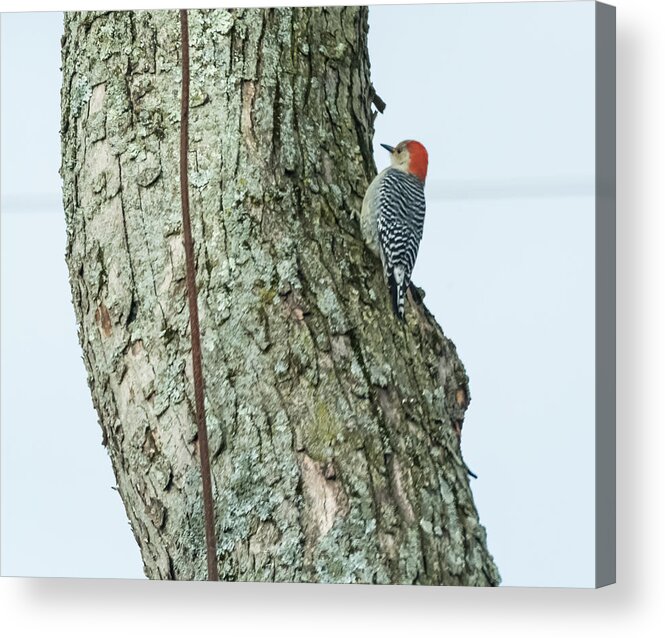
(503, 97)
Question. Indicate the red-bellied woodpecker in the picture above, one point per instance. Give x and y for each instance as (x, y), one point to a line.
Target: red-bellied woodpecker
(393, 215)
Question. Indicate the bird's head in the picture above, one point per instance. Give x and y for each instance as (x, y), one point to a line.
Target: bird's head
(409, 156)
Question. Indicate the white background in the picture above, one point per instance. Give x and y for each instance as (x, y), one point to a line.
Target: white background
(631, 607)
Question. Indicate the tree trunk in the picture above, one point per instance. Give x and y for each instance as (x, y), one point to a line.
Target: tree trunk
(331, 425)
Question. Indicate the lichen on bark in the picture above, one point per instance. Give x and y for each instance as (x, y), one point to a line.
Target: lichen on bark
(331, 425)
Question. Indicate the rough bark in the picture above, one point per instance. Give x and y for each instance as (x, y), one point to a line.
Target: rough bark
(331, 425)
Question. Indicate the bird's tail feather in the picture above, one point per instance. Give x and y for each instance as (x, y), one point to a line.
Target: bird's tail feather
(397, 290)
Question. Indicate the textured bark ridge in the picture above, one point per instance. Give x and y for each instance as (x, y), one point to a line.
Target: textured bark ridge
(331, 425)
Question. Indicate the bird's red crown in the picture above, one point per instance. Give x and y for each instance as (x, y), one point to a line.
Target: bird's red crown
(417, 159)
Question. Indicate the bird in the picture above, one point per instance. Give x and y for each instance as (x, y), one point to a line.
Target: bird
(393, 215)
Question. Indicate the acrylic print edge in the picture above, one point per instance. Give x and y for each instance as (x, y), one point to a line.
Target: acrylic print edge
(605, 49)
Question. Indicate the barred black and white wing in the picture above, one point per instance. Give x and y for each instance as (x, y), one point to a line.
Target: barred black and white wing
(400, 224)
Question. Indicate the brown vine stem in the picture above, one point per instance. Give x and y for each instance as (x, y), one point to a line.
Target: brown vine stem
(204, 455)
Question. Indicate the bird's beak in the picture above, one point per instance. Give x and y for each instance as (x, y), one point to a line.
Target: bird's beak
(390, 149)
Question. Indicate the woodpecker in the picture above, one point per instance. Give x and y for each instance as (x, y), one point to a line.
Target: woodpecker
(393, 215)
